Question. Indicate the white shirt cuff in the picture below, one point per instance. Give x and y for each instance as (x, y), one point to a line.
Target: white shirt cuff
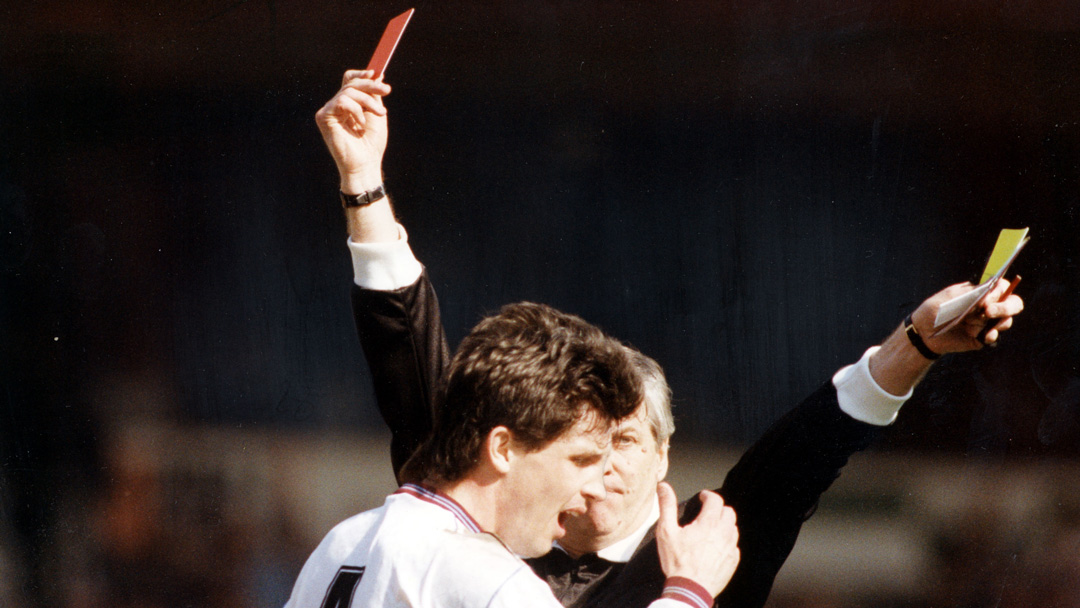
(860, 396)
(385, 266)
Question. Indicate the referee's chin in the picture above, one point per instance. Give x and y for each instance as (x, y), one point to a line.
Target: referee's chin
(596, 529)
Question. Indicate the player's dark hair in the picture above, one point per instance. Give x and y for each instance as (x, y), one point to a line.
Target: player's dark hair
(532, 369)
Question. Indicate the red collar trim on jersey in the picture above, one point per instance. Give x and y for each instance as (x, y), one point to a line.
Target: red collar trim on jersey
(442, 500)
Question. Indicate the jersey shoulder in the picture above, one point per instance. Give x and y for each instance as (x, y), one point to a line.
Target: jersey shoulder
(477, 569)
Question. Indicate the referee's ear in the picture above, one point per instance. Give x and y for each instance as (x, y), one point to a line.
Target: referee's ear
(499, 449)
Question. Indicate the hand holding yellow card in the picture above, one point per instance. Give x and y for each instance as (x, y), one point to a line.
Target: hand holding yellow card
(1009, 243)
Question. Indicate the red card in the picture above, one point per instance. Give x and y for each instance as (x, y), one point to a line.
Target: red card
(388, 43)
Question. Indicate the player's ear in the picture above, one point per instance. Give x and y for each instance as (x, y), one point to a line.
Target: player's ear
(661, 469)
(499, 448)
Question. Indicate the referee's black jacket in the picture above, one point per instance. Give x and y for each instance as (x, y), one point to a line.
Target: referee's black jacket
(773, 488)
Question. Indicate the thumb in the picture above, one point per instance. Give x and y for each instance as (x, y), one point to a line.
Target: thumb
(669, 507)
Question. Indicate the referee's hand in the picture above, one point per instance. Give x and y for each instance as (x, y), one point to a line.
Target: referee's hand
(353, 125)
(706, 550)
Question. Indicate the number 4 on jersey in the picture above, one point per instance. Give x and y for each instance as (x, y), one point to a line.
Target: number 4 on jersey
(341, 590)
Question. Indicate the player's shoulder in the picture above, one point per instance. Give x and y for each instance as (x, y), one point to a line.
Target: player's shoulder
(486, 568)
(343, 538)
(482, 547)
(400, 516)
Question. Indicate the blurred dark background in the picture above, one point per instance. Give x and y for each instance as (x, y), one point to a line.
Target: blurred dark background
(751, 193)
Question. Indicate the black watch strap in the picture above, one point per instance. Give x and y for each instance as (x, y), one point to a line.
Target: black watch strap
(917, 341)
(364, 199)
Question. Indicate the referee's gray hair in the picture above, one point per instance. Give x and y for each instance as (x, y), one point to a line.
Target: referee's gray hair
(657, 395)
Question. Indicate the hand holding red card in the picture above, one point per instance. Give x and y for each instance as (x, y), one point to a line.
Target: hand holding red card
(388, 43)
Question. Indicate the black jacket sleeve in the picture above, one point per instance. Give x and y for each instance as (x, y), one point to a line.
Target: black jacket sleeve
(776, 485)
(402, 334)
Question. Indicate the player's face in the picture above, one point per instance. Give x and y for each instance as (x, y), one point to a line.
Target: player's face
(547, 485)
(636, 465)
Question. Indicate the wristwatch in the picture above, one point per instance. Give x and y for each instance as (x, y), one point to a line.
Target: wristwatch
(917, 341)
(363, 199)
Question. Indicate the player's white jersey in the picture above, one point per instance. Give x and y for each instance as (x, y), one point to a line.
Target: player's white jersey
(420, 549)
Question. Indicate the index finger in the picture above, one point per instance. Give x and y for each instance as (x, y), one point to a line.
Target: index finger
(353, 74)
(710, 501)
(1000, 301)
(372, 87)
(1008, 307)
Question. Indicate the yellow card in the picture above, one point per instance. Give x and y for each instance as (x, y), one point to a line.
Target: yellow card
(1009, 241)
